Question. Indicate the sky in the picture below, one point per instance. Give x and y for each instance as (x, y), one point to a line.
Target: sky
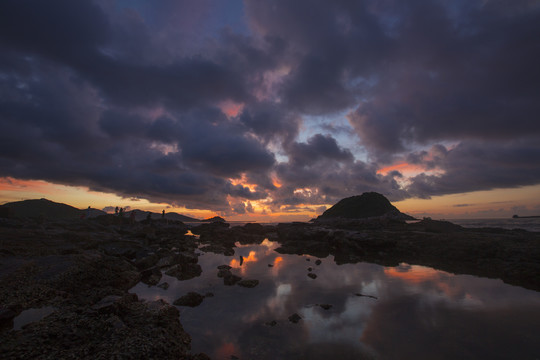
(272, 110)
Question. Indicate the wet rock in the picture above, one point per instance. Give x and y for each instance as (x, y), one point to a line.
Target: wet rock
(312, 275)
(310, 269)
(200, 356)
(164, 285)
(151, 276)
(224, 267)
(185, 271)
(218, 249)
(182, 258)
(318, 262)
(254, 228)
(231, 279)
(248, 283)
(107, 305)
(6, 318)
(270, 265)
(325, 306)
(223, 273)
(127, 249)
(191, 299)
(295, 318)
(271, 323)
(146, 261)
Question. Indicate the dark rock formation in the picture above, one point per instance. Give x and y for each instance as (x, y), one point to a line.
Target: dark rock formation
(367, 205)
(295, 318)
(231, 279)
(191, 299)
(248, 283)
(185, 271)
(214, 219)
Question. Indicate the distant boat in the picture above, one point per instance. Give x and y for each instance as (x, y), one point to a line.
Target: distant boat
(525, 217)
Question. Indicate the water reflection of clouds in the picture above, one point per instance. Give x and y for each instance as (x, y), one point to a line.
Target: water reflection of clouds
(415, 304)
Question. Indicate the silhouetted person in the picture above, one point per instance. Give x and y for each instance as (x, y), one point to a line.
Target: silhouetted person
(116, 210)
(241, 260)
(163, 214)
(121, 212)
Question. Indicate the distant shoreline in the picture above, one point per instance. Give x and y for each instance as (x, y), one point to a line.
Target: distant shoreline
(525, 217)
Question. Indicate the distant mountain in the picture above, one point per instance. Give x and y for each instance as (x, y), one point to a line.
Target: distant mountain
(369, 204)
(143, 215)
(215, 219)
(47, 209)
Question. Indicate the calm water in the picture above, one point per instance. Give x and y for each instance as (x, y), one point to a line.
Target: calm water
(531, 224)
(412, 312)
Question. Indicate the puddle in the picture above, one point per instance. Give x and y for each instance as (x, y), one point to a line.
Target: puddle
(405, 312)
(31, 315)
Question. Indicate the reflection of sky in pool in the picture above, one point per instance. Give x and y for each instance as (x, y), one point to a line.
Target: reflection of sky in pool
(417, 312)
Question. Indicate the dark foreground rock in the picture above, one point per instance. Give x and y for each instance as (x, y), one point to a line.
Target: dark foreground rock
(82, 271)
(121, 327)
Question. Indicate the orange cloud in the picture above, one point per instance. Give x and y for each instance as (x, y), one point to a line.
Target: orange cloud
(276, 182)
(404, 168)
(231, 108)
(252, 257)
(11, 184)
(226, 350)
(244, 182)
(415, 274)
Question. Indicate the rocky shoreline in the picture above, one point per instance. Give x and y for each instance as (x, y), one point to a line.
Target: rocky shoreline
(83, 270)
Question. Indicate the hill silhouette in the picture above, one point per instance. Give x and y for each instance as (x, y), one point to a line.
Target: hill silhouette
(214, 219)
(47, 209)
(142, 215)
(369, 204)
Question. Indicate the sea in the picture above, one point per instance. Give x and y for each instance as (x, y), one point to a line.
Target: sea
(529, 224)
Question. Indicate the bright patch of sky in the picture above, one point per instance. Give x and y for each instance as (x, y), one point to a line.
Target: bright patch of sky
(338, 127)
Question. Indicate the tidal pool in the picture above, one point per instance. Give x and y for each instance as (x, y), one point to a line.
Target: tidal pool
(377, 312)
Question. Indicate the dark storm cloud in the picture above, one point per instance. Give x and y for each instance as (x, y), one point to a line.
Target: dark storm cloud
(316, 148)
(270, 122)
(320, 172)
(473, 75)
(129, 101)
(334, 46)
(77, 36)
(472, 166)
(53, 130)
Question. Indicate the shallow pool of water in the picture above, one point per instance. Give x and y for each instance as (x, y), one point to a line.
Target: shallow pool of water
(31, 315)
(404, 312)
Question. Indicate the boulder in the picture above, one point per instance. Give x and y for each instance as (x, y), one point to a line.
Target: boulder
(248, 283)
(191, 299)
